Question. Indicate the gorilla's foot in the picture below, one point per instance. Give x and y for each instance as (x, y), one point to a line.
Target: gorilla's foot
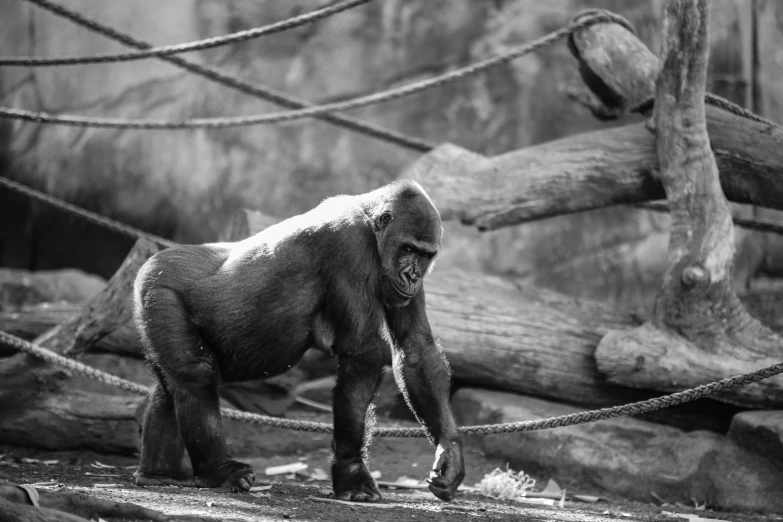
(352, 481)
(368, 492)
(227, 474)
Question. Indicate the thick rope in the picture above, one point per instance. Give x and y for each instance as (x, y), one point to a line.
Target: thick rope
(207, 43)
(318, 110)
(71, 364)
(726, 105)
(92, 217)
(258, 91)
(635, 408)
(286, 101)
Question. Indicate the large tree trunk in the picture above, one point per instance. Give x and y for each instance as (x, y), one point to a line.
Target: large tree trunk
(40, 406)
(700, 331)
(19, 288)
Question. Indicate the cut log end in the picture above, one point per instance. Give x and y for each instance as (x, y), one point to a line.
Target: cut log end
(615, 65)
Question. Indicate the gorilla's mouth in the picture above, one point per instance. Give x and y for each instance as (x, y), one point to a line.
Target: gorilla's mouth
(401, 293)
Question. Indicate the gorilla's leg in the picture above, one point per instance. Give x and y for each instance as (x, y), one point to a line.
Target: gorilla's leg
(357, 379)
(192, 378)
(198, 414)
(162, 447)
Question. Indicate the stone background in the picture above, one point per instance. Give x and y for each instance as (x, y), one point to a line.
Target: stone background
(186, 184)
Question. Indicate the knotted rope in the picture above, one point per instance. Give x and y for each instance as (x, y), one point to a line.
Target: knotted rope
(318, 110)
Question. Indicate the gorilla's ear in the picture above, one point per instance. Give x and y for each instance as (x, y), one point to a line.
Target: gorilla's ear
(382, 220)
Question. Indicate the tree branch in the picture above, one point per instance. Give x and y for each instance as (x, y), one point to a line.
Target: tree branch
(601, 168)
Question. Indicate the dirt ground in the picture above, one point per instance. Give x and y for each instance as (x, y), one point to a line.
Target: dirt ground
(293, 497)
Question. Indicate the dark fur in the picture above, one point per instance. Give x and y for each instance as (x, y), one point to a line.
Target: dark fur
(333, 279)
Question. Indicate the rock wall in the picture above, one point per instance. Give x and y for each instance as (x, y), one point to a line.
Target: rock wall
(185, 184)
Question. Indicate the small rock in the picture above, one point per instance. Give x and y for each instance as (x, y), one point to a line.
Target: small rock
(760, 432)
(740, 479)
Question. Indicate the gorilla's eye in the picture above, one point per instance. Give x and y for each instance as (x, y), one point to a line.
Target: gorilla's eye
(385, 218)
(407, 250)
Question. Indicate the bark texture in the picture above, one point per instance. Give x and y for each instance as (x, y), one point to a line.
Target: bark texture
(700, 331)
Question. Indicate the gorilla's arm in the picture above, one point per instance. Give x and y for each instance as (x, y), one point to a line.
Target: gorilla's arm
(423, 376)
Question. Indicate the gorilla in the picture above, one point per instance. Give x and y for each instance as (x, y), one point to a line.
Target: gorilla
(345, 278)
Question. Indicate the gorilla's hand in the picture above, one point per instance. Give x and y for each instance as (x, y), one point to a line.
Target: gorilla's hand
(448, 471)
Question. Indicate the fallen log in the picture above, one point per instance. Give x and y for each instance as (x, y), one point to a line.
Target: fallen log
(31, 321)
(592, 170)
(39, 404)
(40, 407)
(601, 168)
(19, 288)
(700, 332)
